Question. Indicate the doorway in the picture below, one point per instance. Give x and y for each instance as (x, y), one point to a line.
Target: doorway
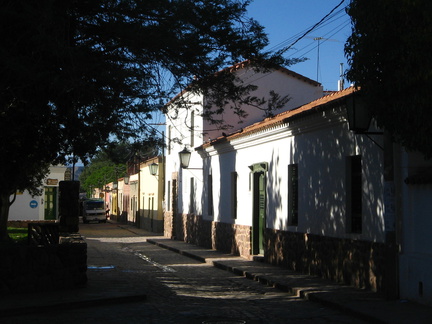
(50, 205)
(259, 201)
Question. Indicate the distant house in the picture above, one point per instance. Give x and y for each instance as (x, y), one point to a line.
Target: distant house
(145, 207)
(45, 206)
(117, 200)
(152, 194)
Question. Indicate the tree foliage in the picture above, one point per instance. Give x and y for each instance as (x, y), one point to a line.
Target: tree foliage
(389, 62)
(76, 74)
(99, 173)
(111, 163)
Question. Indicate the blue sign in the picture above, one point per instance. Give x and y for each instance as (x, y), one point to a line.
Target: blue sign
(33, 204)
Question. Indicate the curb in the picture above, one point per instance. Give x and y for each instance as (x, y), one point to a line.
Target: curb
(170, 248)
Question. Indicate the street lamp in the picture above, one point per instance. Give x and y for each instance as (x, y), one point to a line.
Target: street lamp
(126, 179)
(184, 155)
(359, 116)
(153, 168)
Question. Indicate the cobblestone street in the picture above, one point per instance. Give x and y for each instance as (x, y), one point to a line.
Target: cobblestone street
(178, 289)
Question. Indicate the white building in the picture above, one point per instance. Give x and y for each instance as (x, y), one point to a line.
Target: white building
(186, 128)
(303, 191)
(299, 190)
(43, 207)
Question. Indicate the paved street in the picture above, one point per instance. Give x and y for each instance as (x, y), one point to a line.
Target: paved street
(178, 289)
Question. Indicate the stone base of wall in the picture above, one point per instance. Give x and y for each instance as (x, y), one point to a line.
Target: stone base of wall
(193, 229)
(122, 219)
(232, 238)
(152, 225)
(26, 268)
(168, 225)
(352, 262)
(228, 238)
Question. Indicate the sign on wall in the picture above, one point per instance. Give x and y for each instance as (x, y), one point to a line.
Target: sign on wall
(52, 182)
(33, 204)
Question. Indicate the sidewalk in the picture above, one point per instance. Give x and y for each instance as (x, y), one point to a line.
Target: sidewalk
(360, 303)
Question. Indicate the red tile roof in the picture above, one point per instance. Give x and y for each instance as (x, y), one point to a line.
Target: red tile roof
(285, 116)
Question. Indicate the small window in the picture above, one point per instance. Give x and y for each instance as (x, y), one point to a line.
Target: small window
(354, 194)
(293, 194)
(234, 195)
(210, 195)
(192, 196)
(169, 196)
(192, 128)
(169, 139)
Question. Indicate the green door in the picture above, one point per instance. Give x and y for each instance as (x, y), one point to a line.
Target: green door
(259, 207)
(50, 204)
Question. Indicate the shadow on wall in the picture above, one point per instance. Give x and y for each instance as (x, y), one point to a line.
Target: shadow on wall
(322, 183)
(321, 244)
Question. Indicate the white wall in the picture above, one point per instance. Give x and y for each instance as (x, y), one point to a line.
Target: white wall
(297, 88)
(21, 209)
(24, 206)
(321, 154)
(179, 135)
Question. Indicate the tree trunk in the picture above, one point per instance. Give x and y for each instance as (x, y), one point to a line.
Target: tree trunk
(4, 215)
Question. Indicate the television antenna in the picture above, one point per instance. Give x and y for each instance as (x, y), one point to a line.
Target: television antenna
(320, 40)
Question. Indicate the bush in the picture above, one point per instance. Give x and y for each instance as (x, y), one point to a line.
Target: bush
(18, 235)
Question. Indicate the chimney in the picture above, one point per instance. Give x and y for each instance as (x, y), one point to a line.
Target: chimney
(341, 80)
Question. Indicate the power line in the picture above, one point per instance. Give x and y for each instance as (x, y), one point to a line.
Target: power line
(302, 35)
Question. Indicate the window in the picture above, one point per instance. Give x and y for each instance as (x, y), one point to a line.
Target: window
(169, 139)
(354, 194)
(234, 195)
(168, 202)
(210, 195)
(192, 142)
(192, 196)
(293, 194)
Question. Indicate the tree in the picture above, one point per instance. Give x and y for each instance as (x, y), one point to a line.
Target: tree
(99, 173)
(110, 163)
(389, 62)
(75, 75)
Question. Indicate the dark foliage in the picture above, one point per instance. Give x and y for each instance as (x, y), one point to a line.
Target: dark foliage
(390, 62)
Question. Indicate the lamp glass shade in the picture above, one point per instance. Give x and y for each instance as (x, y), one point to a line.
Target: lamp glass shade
(126, 179)
(359, 116)
(184, 155)
(153, 168)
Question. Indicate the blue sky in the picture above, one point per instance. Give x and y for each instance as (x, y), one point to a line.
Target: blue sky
(286, 20)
